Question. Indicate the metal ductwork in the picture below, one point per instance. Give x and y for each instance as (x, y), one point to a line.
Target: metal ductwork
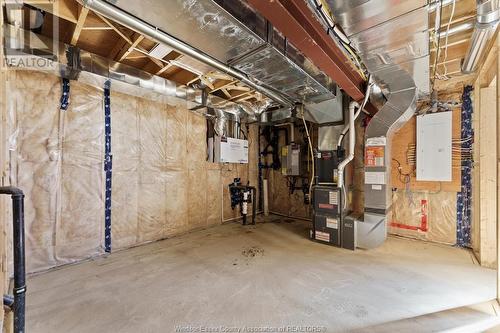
(155, 32)
(488, 14)
(88, 68)
(257, 56)
(393, 42)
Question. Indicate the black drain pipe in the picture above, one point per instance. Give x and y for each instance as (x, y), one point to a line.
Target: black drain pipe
(17, 303)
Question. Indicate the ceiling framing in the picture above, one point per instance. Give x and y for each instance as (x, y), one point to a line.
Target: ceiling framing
(449, 78)
(83, 28)
(71, 23)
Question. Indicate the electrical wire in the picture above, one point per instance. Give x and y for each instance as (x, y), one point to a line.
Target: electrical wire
(438, 49)
(325, 13)
(404, 178)
(444, 76)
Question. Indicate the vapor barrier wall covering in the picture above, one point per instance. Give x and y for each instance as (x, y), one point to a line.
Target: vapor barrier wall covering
(162, 184)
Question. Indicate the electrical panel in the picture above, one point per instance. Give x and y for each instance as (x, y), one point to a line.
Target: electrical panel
(290, 160)
(434, 142)
(229, 150)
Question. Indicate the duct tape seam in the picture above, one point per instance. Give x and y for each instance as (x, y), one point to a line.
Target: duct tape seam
(108, 166)
(464, 197)
(65, 94)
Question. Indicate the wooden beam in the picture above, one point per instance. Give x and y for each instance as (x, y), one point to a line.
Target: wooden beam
(228, 95)
(193, 80)
(118, 31)
(158, 62)
(79, 25)
(97, 28)
(458, 42)
(65, 9)
(161, 71)
(206, 81)
(240, 95)
(131, 48)
(239, 88)
(222, 85)
(130, 42)
(301, 27)
(250, 96)
(218, 76)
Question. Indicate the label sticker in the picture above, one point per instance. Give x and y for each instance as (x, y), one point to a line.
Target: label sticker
(374, 156)
(332, 223)
(374, 178)
(325, 206)
(377, 141)
(333, 198)
(377, 187)
(323, 236)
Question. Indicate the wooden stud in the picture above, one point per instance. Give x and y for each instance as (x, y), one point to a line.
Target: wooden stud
(488, 176)
(79, 25)
(497, 154)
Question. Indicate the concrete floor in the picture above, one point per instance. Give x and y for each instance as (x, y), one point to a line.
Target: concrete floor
(267, 275)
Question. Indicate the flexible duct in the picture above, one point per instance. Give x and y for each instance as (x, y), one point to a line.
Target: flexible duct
(103, 8)
(487, 19)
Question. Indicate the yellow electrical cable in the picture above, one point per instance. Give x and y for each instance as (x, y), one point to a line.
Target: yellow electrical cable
(328, 12)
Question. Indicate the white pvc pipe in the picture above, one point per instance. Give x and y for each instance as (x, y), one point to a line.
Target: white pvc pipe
(356, 115)
(352, 141)
(266, 198)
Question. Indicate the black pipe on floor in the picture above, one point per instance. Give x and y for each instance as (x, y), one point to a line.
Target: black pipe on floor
(18, 306)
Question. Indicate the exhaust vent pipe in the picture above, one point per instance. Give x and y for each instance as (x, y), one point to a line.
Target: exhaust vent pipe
(487, 19)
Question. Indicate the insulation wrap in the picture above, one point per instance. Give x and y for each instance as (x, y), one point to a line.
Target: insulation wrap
(162, 184)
